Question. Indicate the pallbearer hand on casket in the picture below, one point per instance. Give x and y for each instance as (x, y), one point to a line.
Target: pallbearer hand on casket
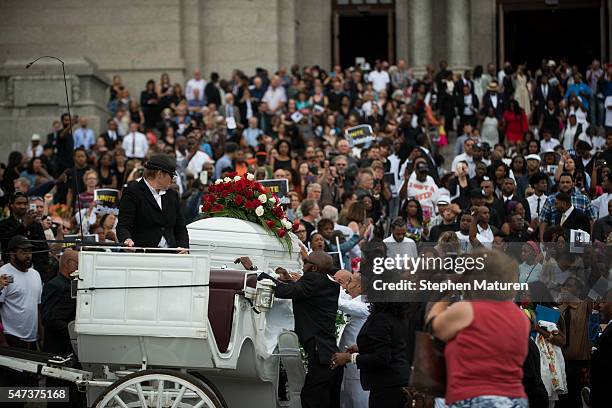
(246, 263)
(285, 276)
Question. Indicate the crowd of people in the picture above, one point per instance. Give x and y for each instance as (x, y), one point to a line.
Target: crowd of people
(531, 151)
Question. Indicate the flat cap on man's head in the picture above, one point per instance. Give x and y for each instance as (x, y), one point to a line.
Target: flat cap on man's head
(161, 162)
(19, 242)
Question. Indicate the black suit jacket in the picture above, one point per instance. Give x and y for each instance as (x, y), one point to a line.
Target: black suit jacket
(540, 100)
(386, 347)
(315, 304)
(57, 310)
(576, 220)
(486, 105)
(141, 219)
(108, 141)
(600, 370)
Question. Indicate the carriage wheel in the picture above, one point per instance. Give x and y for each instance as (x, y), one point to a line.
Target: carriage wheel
(159, 389)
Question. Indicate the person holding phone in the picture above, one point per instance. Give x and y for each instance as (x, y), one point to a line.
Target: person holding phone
(25, 221)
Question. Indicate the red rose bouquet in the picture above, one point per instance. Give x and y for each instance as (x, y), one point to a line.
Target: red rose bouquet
(245, 198)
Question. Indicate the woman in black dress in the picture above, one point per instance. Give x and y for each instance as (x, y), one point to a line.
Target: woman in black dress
(150, 104)
(284, 159)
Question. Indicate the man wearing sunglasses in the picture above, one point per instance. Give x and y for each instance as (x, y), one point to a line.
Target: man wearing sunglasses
(149, 211)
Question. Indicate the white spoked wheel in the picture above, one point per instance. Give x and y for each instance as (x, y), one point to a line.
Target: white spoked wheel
(158, 389)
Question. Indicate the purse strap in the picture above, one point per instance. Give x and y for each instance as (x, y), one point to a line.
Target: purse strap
(428, 328)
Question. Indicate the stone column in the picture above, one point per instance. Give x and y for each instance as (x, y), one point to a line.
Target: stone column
(420, 35)
(458, 33)
(402, 31)
(190, 37)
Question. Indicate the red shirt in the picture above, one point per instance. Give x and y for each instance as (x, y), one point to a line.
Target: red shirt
(486, 358)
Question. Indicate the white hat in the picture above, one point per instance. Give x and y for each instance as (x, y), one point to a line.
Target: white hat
(533, 157)
(35, 137)
(551, 63)
(443, 199)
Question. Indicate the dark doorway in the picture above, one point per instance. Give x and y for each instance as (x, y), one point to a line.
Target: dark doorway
(573, 34)
(363, 36)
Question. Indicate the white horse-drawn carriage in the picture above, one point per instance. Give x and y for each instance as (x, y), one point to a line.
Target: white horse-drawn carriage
(165, 330)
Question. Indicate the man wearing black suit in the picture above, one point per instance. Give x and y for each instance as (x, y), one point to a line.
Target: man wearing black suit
(543, 93)
(600, 361)
(492, 99)
(315, 304)
(424, 147)
(149, 212)
(111, 137)
(511, 193)
(570, 218)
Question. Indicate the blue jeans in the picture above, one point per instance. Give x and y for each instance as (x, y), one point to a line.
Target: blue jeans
(491, 401)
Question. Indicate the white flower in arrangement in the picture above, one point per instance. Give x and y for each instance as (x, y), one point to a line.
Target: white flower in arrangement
(237, 178)
(250, 177)
(287, 224)
(262, 198)
(227, 179)
(259, 211)
(272, 200)
(218, 181)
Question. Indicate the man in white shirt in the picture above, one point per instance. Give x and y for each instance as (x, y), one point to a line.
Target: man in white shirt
(196, 82)
(536, 201)
(196, 158)
(356, 310)
(480, 230)
(548, 142)
(135, 144)
(466, 156)
(275, 95)
(398, 243)
(34, 149)
(19, 300)
(379, 78)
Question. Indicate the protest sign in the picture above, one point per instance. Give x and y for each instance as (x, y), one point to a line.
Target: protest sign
(278, 187)
(107, 201)
(359, 134)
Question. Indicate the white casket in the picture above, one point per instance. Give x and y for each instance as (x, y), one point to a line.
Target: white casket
(229, 238)
(225, 239)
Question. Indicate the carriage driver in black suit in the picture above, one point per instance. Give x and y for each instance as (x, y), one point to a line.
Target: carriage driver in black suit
(150, 212)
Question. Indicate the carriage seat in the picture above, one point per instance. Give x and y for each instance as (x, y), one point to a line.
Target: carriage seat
(224, 285)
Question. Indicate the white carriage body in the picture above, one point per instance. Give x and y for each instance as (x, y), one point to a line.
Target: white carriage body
(165, 311)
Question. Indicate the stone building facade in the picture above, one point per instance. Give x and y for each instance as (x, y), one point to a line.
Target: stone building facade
(140, 39)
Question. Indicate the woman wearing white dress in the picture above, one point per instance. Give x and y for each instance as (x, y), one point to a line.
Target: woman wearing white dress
(570, 133)
(521, 92)
(490, 129)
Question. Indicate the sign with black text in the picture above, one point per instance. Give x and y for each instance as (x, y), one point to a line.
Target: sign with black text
(107, 201)
(278, 187)
(359, 134)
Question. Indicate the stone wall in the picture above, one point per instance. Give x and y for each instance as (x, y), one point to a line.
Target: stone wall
(138, 39)
(31, 99)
